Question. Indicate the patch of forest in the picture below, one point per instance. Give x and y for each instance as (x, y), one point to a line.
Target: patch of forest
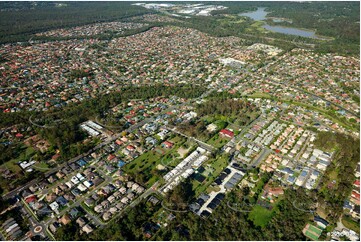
(223, 224)
(337, 182)
(19, 24)
(223, 111)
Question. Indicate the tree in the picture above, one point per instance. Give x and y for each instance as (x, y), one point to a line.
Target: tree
(68, 232)
(182, 194)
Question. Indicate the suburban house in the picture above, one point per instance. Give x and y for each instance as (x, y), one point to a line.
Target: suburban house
(226, 133)
(167, 144)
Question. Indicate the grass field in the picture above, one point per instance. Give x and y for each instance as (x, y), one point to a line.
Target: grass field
(218, 165)
(150, 158)
(41, 166)
(315, 229)
(334, 119)
(313, 232)
(257, 26)
(213, 189)
(217, 141)
(260, 216)
(351, 224)
(311, 235)
(147, 163)
(324, 112)
(333, 174)
(24, 156)
(260, 95)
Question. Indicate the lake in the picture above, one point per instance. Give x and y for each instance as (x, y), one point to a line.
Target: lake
(291, 31)
(257, 15)
(260, 14)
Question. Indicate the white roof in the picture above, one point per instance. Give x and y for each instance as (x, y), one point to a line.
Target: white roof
(80, 176)
(87, 184)
(74, 180)
(82, 188)
(54, 206)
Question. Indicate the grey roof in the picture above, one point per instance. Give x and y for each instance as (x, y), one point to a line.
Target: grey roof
(205, 197)
(233, 180)
(229, 185)
(237, 176)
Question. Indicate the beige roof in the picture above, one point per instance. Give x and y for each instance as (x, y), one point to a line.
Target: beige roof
(87, 229)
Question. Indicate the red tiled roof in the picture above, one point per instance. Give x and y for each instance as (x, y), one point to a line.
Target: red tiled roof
(55, 157)
(30, 199)
(111, 157)
(130, 147)
(226, 132)
(276, 191)
(18, 135)
(355, 195)
(167, 143)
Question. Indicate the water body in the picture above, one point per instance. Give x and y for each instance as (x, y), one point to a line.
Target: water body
(292, 31)
(260, 14)
(257, 15)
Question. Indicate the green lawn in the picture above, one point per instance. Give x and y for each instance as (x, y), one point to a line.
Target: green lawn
(178, 140)
(143, 161)
(257, 26)
(260, 95)
(260, 216)
(86, 208)
(315, 229)
(217, 141)
(24, 156)
(311, 235)
(147, 163)
(313, 232)
(212, 189)
(333, 174)
(335, 119)
(41, 166)
(218, 165)
(12, 166)
(351, 224)
(324, 112)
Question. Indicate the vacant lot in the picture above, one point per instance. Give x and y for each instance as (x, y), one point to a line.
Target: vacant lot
(144, 167)
(260, 216)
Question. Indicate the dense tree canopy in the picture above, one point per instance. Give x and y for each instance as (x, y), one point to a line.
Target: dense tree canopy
(335, 189)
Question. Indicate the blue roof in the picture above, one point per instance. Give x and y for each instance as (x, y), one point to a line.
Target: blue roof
(75, 191)
(303, 173)
(291, 179)
(287, 170)
(121, 163)
(81, 162)
(316, 173)
(347, 205)
(61, 200)
(74, 212)
(324, 162)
